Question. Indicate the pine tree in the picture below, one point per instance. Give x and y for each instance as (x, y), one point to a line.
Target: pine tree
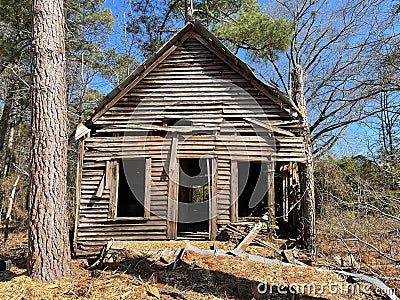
(49, 250)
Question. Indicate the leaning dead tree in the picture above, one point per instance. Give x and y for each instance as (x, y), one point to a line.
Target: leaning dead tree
(308, 194)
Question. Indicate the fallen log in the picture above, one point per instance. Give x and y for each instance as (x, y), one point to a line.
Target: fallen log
(256, 240)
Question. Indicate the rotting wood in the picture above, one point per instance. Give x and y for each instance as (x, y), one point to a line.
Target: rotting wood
(234, 189)
(271, 188)
(147, 188)
(213, 202)
(112, 212)
(81, 153)
(232, 65)
(100, 189)
(285, 196)
(108, 175)
(269, 127)
(133, 83)
(188, 84)
(256, 240)
(173, 190)
(241, 247)
(102, 255)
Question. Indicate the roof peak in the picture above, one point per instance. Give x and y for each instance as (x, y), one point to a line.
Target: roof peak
(215, 45)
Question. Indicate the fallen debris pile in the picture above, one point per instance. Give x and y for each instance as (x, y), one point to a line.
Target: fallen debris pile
(250, 276)
(201, 270)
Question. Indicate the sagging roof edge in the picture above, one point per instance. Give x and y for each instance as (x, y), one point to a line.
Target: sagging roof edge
(196, 26)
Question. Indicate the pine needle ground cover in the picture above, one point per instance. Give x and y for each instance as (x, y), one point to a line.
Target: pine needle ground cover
(133, 276)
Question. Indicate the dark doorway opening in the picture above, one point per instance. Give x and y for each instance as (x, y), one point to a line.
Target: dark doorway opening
(131, 188)
(194, 191)
(252, 189)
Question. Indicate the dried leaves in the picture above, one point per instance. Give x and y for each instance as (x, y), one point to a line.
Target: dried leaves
(195, 276)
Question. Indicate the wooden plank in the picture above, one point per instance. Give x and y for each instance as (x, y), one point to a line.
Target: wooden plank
(100, 188)
(147, 188)
(108, 175)
(252, 79)
(246, 241)
(173, 190)
(234, 197)
(285, 191)
(132, 84)
(185, 85)
(213, 192)
(269, 127)
(112, 211)
(79, 168)
(183, 129)
(271, 188)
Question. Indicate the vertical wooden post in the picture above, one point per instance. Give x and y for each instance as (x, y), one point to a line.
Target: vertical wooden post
(213, 191)
(147, 188)
(112, 209)
(173, 190)
(81, 154)
(108, 175)
(234, 190)
(271, 187)
(285, 190)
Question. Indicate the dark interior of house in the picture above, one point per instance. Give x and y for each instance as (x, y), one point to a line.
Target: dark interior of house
(253, 188)
(131, 188)
(193, 207)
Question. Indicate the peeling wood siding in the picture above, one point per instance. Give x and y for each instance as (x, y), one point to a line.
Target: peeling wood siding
(188, 84)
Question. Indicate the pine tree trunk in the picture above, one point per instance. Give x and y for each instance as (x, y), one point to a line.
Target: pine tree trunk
(307, 170)
(49, 249)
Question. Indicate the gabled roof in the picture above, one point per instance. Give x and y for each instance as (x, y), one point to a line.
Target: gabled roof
(198, 31)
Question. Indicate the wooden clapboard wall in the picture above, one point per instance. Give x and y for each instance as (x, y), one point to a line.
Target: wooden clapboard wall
(226, 117)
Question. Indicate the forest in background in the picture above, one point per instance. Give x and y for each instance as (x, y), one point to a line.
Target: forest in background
(350, 54)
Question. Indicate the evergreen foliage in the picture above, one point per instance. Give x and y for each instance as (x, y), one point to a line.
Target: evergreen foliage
(255, 30)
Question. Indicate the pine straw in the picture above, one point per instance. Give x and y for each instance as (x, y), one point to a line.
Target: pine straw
(197, 277)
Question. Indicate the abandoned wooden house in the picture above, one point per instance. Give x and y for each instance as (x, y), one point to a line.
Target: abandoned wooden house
(190, 142)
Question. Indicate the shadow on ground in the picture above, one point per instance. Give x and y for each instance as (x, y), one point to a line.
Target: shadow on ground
(16, 253)
(204, 281)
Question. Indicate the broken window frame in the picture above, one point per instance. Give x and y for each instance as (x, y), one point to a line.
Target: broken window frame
(234, 186)
(113, 175)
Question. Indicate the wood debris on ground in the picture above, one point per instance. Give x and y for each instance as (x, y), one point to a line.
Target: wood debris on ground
(135, 274)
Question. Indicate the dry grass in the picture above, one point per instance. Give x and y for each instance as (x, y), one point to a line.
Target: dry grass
(197, 277)
(382, 233)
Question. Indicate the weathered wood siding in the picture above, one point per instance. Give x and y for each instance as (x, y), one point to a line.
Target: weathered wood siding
(193, 84)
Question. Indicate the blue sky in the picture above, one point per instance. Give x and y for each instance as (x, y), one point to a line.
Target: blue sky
(357, 136)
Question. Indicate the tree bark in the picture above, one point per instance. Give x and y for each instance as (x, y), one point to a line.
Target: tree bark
(307, 170)
(4, 125)
(188, 11)
(9, 151)
(10, 207)
(49, 250)
(4, 122)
